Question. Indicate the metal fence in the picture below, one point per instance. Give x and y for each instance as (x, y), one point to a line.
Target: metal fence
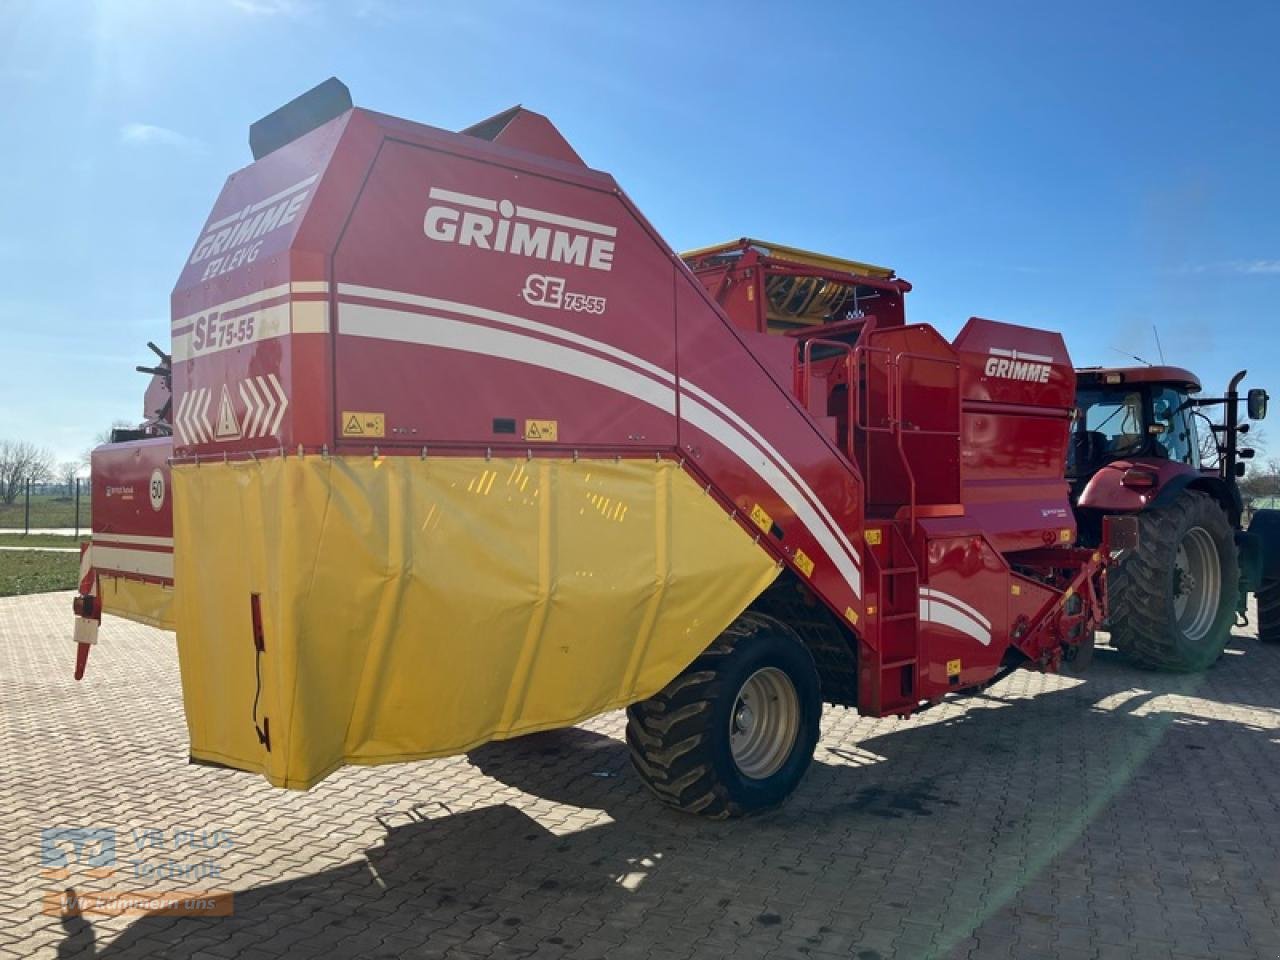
(48, 505)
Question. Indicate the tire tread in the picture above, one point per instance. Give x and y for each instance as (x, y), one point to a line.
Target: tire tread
(668, 734)
(1140, 622)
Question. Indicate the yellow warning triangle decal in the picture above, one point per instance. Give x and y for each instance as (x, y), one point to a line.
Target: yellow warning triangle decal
(352, 426)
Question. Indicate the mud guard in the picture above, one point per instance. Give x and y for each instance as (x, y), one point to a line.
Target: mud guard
(1262, 550)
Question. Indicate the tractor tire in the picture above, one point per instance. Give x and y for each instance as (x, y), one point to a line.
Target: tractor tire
(1173, 602)
(734, 733)
(1269, 612)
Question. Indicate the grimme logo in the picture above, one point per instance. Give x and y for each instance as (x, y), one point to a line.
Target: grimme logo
(1016, 365)
(234, 240)
(515, 230)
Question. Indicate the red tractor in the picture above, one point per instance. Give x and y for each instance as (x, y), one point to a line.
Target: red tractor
(1136, 447)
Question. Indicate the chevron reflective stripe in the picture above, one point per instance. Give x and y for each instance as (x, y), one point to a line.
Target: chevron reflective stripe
(191, 422)
(265, 403)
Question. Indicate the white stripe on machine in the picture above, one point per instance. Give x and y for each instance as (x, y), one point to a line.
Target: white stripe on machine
(740, 446)
(423, 328)
(956, 602)
(405, 326)
(508, 319)
(249, 299)
(145, 563)
(948, 611)
(1019, 355)
(133, 539)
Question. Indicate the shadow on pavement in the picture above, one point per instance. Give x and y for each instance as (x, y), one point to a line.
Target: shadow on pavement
(940, 825)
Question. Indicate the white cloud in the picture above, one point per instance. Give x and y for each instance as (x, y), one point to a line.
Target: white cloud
(380, 10)
(1256, 266)
(146, 134)
(270, 8)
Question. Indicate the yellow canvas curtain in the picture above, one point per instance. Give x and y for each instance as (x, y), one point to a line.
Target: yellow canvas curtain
(148, 603)
(416, 608)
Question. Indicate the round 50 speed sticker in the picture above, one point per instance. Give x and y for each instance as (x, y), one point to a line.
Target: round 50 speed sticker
(157, 489)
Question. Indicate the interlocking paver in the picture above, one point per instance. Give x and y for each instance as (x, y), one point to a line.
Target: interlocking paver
(1118, 814)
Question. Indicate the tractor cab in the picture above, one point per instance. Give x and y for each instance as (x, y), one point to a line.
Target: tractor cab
(1128, 414)
(1151, 425)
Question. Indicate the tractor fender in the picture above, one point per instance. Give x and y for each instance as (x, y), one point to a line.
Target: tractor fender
(1106, 491)
(1226, 494)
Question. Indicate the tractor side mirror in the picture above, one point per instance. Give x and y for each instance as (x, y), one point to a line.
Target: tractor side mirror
(1257, 403)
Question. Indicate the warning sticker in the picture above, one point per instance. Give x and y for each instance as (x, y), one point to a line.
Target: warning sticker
(359, 423)
(228, 427)
(953, 668)
(761, 518)
(804, 562)
(545, 430)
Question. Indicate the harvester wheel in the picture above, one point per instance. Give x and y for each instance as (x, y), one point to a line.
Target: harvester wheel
(1269, 612)
(1173, 601)
(733, 734)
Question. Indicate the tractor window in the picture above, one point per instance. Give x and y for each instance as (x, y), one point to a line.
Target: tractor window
(1175, 423)
(1108, 425)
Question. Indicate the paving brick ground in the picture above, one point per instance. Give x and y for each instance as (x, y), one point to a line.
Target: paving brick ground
(1120, 815)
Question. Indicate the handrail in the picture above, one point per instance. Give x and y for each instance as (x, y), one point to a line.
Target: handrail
(806, 379)
(862, 352)
(930, 358)
(895, 377)
(855, 358)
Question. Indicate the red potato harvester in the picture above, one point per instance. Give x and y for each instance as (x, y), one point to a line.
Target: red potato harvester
(449, 446)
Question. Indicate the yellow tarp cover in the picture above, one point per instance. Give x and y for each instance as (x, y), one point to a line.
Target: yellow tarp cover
(416, 608)
(148, 603)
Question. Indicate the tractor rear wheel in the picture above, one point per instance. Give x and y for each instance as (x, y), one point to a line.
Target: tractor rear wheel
(733, 734)
(1173, 601)
(1269, 612)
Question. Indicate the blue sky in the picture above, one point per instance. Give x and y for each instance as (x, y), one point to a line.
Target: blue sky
(1093, 168)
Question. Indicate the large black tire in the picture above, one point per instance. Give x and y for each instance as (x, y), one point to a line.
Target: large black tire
(698, 750)
(1165, 616)
(1269, 612)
